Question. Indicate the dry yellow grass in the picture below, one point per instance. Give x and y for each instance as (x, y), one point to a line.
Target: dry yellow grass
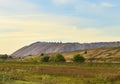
(111, 52)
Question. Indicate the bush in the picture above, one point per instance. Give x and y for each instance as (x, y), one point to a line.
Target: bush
(78, 58)
(52, 59)
(10, 57)
(57, 58)
(44, 59)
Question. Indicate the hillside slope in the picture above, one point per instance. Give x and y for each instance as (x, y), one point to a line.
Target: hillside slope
(45, 47)
(99, 53)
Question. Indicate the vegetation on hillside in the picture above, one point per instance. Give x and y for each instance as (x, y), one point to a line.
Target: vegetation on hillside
(5, 57)
(56, 58)
(44, 59)
(78, 58)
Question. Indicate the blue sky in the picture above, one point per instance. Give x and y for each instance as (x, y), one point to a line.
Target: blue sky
(26, 21)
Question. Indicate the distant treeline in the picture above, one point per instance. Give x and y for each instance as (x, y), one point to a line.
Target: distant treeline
(5, 56)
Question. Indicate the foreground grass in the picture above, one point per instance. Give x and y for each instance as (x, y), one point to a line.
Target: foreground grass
(58, 73)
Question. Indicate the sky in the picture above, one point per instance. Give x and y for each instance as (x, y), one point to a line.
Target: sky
(23, 22)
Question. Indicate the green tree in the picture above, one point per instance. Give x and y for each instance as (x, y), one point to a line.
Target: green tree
(44, 59)
(57, 58)
(52, 59)
(78, 58)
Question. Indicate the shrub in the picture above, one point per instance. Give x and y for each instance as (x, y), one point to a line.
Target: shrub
(30, 55)
(10, 57)
(44, 59)
(42, 54)
(78, 58)
(57, 58)
(52, 59)
(85, 52)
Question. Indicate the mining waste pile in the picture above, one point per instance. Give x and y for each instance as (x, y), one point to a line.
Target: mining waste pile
(38, 48)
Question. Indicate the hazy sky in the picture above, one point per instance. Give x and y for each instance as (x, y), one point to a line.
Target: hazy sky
(23, 22)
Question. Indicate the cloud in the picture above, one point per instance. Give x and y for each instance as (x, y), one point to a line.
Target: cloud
(42, 21)
(8, 4)
(94, 8)
(9, 7)
(108, 5)
(62, 2)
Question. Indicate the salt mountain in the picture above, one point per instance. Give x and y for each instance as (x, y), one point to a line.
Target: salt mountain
(54, 47)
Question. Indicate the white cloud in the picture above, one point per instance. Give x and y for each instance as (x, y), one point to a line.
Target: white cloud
(106, 4)
(9, 7)
(84, 6)
(61, 2)
(27, 21)
(16, 4)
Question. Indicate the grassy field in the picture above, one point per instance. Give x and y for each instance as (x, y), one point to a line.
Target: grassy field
(58, 73)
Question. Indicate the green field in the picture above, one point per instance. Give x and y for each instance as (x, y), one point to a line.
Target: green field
(58, 73)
